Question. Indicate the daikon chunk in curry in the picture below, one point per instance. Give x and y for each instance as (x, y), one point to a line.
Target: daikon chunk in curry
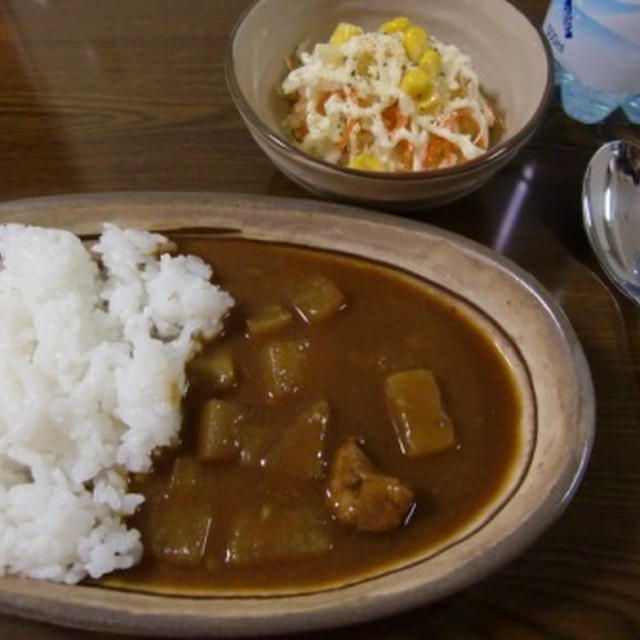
(348, 418)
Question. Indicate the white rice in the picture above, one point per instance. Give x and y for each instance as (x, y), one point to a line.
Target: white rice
(92, 370)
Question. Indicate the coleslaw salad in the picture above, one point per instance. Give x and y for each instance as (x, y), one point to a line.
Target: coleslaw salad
(393, 100)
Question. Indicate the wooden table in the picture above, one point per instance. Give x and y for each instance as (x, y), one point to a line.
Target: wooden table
(120, 95)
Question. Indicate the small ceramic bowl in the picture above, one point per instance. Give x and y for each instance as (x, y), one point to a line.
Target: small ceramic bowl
(510, 55)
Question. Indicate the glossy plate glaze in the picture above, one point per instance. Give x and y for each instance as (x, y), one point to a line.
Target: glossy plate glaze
(547, 362)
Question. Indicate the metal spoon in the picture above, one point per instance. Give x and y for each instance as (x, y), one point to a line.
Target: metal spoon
(611, 207)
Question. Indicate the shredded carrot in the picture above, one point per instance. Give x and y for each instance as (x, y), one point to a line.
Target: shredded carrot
(450, 121)
(321, 102)
(301, 131)
(432, 152)
(440, 152)
(346, 132)
(406, 148)
(462, 121)
(388, 116)
(392, 117)
(350, 94)
(300, 106)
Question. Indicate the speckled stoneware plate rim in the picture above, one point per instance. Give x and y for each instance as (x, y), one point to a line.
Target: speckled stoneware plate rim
(504, 292)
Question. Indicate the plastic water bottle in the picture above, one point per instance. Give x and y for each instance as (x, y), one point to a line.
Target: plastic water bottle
(596, 45)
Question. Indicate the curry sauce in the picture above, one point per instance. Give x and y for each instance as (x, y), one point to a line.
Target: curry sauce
(294, 382)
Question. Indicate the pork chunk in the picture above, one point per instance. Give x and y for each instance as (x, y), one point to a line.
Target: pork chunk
(364, 498)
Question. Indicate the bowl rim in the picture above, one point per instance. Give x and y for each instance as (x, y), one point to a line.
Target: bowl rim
(491, 157)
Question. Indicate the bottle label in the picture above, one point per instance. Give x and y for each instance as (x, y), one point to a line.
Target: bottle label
(598, 41)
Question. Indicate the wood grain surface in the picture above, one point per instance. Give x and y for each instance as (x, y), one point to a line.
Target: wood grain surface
(100, 95)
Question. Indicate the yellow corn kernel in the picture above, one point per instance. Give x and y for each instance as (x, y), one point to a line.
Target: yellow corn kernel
(430, 104)
(399, 23)
(344, 32)
(366, 162)
(431, 63)
(415, 42)
(415, 82)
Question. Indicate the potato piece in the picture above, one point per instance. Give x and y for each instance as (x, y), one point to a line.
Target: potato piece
(283, 368)
(317, 299)
(257, 440)
(187, 473)
(274, 534)
(364, 498)
(217, 436)
(179, 532)
(269, 318)
(415, 405)
(215, 369)
(300, 450)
